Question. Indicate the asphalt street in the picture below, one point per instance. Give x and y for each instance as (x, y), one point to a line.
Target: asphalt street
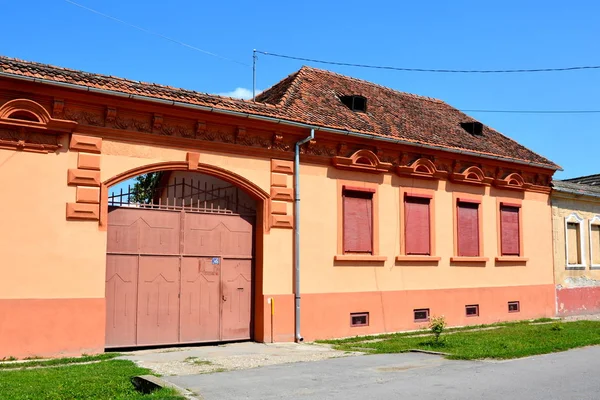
(561, 376)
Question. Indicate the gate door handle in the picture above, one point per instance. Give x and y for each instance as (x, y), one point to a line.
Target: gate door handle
(224, 298)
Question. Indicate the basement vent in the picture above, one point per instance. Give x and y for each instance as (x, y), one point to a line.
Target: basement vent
(355, 103)
(421, 315)
(359, 319)
(514, 306)
(472, 310)
(474, 128)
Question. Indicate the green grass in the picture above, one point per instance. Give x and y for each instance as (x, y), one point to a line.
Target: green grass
(510, 340)
(57, 361)
(109, 379)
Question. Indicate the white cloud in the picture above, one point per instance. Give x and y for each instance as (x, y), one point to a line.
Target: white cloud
(239, 93)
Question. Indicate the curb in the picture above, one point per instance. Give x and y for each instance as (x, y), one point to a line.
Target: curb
(437, 353)
(149, 383)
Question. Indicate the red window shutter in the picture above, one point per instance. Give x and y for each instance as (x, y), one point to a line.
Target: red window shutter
(468, 229)
(358, 222)
(416, 226)
(509, 230)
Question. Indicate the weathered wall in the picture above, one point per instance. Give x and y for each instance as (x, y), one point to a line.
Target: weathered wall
(577, 289)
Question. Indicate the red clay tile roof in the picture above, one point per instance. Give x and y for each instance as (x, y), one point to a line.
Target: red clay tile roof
(311, 96)
(98, 81)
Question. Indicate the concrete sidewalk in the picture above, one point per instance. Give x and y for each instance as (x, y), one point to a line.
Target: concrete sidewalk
(559, 376)
(227, 357)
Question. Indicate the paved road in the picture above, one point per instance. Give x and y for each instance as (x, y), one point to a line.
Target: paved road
(561, 376)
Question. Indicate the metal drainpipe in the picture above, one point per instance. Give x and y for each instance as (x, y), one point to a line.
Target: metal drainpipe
(298, 336)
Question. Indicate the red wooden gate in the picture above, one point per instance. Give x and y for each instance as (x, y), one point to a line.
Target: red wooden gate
(177, 276)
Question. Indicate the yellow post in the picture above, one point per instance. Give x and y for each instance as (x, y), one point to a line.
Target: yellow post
(272, 315)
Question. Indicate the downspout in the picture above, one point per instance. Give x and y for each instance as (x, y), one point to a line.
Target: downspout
(298, 336)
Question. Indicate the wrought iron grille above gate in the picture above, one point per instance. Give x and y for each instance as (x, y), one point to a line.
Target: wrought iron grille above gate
(193, 195)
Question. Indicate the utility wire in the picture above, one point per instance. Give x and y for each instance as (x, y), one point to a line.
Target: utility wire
(189, 46)
(459, 71)
(536, 111)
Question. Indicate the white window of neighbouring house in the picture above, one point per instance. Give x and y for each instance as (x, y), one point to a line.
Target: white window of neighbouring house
(574, 242)
(595, 242)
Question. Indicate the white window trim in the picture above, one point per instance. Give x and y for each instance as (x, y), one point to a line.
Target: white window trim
(593, 221)
(573, 217)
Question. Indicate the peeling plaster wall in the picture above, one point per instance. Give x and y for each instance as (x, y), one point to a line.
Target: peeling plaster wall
(577, 290)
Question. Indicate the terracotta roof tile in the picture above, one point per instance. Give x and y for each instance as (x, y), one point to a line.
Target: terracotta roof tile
(312, 96)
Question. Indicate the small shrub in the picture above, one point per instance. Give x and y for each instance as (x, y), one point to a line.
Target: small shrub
(437, 326)
(557, 326)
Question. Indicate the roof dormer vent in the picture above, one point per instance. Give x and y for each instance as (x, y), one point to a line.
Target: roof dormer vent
(355, 103)
(474, 128)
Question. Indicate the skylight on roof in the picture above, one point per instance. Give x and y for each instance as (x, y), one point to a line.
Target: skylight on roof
(474, 128)
(355, 102)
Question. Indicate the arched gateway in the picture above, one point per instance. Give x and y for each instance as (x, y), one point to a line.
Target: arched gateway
(180, 257)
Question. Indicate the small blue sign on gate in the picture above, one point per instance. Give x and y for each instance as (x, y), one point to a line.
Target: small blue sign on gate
(215, 260)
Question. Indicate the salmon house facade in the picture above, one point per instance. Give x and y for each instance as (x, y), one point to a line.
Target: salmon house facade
(329, 207)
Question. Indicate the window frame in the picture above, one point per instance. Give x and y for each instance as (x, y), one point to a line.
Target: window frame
(427, 319)
(521, 259)
(340, 255)
(359, 314)
(476, 306)
(519, 228)
(595, 221)
(423, 194)
(576, 219)
(517, 303)
(475, 199)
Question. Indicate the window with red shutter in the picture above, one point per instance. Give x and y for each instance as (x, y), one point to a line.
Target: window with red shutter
(468, 229)
(358, 221)
(416, 226)
(509, 231)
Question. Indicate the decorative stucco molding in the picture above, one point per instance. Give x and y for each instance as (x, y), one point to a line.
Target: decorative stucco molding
(421, 168)
(282, 194)
(362, 161)
(472, 174)
(512, 181)
(575, 218)
(26, 125)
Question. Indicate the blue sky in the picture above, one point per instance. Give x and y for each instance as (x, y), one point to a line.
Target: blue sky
(432, 34)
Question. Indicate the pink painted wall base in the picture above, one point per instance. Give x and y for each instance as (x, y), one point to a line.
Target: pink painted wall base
(576, 301)
(51, 327)
(327, 315)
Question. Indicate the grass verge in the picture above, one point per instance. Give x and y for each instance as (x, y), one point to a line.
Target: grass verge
(58, 361)
(510, 340)
(108, 379)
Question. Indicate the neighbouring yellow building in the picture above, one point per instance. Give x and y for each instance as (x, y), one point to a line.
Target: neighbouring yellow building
(576, 222)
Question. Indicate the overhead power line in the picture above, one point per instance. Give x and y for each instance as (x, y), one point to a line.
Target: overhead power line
(537, 111)
(189, 46)
(454, 71)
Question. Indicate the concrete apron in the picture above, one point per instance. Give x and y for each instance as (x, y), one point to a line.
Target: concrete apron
(177, 361)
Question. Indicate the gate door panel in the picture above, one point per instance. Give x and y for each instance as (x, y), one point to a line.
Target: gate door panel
(236, 286)
(200, 300)
(158, 300)
(121, 300)
(217, 235)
